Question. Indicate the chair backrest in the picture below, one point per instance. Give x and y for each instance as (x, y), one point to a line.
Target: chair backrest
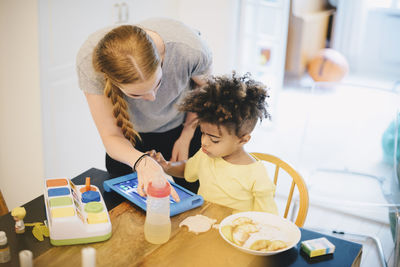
(297, 180)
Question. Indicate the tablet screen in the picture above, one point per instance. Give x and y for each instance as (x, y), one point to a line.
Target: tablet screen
(129, 187)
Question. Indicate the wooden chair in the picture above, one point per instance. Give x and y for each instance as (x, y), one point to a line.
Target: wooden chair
(297, 180)
(3, 205)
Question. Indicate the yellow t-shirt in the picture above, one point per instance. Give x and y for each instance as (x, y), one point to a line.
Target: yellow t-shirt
(241, 187)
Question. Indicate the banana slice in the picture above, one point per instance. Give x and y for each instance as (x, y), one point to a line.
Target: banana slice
(276, 245)
(240, 221)
(250, 227)
(240, 235)
(227, 232)
(260, 244)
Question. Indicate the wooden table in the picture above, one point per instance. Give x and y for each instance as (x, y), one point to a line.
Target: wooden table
(127, 246)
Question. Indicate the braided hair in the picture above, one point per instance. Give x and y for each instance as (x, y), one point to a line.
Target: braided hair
(125, 55)
(236, 102)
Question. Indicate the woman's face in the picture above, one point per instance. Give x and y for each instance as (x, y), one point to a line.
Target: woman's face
(146, 90)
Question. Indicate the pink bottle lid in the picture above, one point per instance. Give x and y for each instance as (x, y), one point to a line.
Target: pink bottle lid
(159, 192)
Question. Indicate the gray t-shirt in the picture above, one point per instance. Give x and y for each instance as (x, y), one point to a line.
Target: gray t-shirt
(186, 55)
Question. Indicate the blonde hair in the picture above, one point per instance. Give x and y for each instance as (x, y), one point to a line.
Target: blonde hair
(18, 212)
(125, 55)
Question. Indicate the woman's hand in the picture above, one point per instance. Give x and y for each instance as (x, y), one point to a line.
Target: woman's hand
(147, 169)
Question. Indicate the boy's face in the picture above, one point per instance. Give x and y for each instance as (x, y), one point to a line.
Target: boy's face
(218, 142)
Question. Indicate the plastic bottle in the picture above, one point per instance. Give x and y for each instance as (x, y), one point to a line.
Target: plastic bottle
(88, 257)
(25, 258)
(157, 226)
(5, 255)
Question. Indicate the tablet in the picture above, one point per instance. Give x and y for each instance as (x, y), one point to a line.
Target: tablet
(126, 186)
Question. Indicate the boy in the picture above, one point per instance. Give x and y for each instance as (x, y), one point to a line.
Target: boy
(227, 110)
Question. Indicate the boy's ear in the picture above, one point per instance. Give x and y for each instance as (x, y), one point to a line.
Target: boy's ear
(244, 139)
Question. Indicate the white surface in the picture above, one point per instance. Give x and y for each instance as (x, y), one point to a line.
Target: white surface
(289, 231)
(21, 155)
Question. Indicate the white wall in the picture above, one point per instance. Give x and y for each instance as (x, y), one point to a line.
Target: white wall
(218, 25)
(380, 53)
(368, 37)
(21, 159)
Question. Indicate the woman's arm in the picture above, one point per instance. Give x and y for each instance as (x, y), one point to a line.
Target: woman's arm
(117, 146)
(115, 143)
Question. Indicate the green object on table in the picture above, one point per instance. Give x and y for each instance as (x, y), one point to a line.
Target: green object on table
(60, 201)
(93, 207)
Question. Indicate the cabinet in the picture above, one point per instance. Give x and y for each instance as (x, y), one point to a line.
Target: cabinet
(262, 41)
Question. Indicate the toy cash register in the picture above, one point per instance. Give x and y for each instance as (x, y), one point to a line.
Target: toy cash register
(76, 214)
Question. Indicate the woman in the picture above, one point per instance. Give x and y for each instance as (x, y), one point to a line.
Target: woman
(133, 77)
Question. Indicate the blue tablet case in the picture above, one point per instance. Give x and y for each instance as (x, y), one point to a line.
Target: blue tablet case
(126, 186)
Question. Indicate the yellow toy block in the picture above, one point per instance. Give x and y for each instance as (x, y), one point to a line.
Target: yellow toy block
(94, 218)
(62, 212)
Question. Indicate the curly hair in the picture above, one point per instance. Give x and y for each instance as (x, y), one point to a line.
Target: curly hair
(235, 102)
(125, 55)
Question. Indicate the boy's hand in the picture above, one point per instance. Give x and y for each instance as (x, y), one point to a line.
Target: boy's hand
(157, 156)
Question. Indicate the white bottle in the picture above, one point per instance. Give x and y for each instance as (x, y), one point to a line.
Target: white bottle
(88, 257)
(25, 258)
(5, 255)
(157, 227)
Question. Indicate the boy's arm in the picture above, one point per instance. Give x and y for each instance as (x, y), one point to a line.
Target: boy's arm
(263, 192)
(265, 203)
(176, 169)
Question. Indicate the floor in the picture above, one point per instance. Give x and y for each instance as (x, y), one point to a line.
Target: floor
(282, 137)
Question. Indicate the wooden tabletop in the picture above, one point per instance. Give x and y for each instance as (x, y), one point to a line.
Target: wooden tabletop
(127, 246)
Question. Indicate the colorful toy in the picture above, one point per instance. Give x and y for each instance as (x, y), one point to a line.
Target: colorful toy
(328, 65)
(19, 215)
(76, 214)
(317, 247)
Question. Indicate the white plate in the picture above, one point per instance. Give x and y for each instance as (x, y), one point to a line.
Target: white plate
(287, 230)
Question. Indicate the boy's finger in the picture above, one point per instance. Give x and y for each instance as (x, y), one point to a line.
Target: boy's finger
(151, 153)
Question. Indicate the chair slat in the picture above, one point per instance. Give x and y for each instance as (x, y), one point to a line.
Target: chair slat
(276, 175)
(297, 180)
(289, 200)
